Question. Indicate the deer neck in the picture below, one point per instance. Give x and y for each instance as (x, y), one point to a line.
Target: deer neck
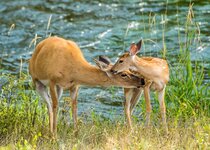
(93, 76)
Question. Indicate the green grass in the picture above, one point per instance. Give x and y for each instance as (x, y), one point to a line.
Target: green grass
(24, 119)
(24, 122)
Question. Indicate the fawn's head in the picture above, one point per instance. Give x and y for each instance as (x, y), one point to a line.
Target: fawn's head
(125, 77)
(125, 61)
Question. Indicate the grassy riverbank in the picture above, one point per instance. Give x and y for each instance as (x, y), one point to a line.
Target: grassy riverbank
(24, 120)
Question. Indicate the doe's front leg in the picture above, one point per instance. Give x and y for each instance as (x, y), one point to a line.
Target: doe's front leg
(128, 92)
(73, 95)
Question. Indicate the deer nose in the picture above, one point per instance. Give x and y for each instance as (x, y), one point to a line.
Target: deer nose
(113, 71)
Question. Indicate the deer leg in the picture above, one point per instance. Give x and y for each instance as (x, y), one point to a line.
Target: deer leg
(73, 95)
(59, 91)
(43, 92)
(128, 92)
(54, 97)
(161, 95)
(148, 104)
(137, 92)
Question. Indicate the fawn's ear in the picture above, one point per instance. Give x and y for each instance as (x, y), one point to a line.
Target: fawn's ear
(104, 59)
(135, 48)
(139, 45)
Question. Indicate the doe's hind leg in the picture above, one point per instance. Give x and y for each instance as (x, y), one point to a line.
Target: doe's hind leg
(43, 92)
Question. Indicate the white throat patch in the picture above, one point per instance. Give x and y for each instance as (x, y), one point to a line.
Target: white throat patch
(133, 68)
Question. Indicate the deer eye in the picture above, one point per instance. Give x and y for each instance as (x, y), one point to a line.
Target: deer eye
(121, 61)
(123, 75)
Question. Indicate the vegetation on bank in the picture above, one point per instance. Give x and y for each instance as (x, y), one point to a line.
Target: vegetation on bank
(24, 119)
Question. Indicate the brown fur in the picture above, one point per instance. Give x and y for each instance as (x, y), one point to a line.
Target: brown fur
(154, 70)
(62, 63)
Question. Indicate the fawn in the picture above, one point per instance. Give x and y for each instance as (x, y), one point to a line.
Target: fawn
(155, 72)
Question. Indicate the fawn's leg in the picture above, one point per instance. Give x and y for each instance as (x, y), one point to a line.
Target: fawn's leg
(161, 95)
(148, 103)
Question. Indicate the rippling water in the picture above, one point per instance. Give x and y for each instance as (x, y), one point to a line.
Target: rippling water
(101, 28)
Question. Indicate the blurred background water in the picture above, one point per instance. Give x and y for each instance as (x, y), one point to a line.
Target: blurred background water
(102, 28)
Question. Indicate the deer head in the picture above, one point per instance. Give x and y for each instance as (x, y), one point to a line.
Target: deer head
(105, 65)
(126, 60)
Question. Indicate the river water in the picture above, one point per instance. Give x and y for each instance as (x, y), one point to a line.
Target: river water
(102, 28)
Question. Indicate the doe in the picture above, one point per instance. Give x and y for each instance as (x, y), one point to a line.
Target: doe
(59, 64)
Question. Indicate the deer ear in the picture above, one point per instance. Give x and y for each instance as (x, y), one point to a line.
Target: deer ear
(135, 48)
(104, 59)
(103, 66)
(139, 45)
